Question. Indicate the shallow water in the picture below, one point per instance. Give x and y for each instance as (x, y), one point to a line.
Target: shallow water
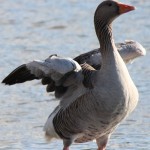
(35, 29)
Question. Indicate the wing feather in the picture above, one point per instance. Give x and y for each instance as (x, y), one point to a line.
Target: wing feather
(53, 68)
(19, 75)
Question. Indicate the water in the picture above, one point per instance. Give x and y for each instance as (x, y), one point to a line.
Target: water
(35, 29)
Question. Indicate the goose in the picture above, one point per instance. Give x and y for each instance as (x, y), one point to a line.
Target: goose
(92, 102)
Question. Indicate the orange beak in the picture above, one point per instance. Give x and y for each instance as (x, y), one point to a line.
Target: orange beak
(123, 8)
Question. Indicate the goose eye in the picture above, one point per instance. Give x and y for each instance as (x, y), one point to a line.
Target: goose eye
(110, 4)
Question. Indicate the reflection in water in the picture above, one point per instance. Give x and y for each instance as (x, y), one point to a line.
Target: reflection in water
(35, 29)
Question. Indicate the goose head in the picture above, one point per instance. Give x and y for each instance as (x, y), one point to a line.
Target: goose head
(105, 13)
(108, 10)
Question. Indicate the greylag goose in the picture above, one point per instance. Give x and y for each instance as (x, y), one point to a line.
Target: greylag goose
(92, 102)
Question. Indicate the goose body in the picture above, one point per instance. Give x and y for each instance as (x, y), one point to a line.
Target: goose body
(92, 102)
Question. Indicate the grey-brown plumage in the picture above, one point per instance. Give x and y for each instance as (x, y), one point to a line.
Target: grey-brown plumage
(92, 102)
(96, 112)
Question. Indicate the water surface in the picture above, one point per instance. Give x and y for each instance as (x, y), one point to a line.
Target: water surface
(38, 28)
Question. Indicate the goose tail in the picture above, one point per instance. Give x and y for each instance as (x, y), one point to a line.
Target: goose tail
(49, 129)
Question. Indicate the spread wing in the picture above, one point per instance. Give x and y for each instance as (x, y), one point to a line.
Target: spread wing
(54, 67)
(62, 75)
(129, 50)
(59, 73)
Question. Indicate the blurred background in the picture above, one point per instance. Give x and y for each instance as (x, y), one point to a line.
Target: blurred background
(35, 29)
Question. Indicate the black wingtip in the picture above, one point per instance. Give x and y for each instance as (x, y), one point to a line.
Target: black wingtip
(19, 75)
(13, 76)
(3, 82)
(6, 82)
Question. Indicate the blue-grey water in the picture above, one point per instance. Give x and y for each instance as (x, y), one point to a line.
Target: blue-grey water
(34, 29)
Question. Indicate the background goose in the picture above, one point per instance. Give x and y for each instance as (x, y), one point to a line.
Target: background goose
(92, 102)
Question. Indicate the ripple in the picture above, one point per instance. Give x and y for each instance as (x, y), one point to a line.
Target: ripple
(38, 28)
(60, 27)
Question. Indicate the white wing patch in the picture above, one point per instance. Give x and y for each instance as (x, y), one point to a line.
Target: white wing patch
(54, 67)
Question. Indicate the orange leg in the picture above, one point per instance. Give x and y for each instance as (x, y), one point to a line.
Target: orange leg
(102, 148)
(102, 142)
(67, 143)
(66, 148)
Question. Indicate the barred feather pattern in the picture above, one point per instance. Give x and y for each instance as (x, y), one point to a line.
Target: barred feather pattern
(70, 122)
(87, 71)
